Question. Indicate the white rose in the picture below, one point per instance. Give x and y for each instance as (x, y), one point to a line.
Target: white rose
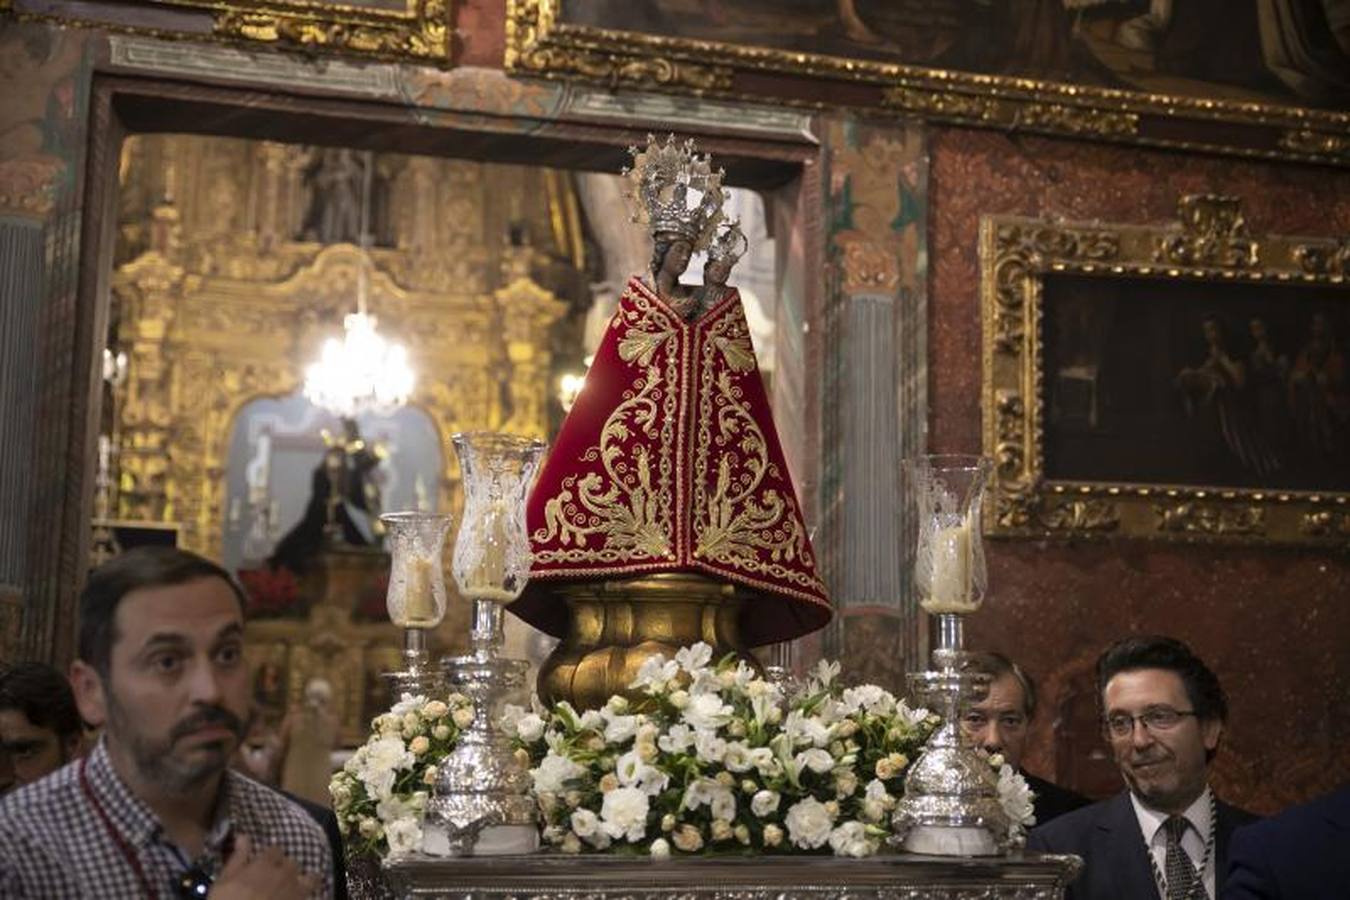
(773, 835)
(660, 849)
(808, 823)
(419, 745)
(723, 805)
(434, 709)
(619, 729)
(764, 803)
(441, 732)
(408, 703)
(403, 835)
(463, 717)
(584, 823)
(688, 838)
(850, 839)
(530, 727)
(845, 783)
(737, 757)
(624, 814)
(552, 773)
(817, 760)
(710, 747)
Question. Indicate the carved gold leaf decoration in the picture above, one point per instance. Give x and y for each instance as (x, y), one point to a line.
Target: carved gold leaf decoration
(1324, 258)
(1080, 514)
(1013, 113)
(1214, 233)
(1318, 143)
(1326, 523)
(1195, 517)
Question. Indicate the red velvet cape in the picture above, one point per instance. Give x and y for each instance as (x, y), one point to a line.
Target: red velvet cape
(669, 462)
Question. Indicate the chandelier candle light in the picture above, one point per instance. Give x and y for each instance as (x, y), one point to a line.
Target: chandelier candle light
(363, 372)
(482, 803)
(951, 805)
(416, 599)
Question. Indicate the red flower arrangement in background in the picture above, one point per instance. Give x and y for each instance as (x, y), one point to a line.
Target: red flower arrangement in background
(271, 592)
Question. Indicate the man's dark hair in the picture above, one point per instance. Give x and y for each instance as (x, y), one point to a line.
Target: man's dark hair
(44, 696)
(143, 567)
(996, 665)
(1203, 690)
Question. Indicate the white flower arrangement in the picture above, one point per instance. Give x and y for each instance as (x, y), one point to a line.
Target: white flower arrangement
(711, 758)
(381, 791)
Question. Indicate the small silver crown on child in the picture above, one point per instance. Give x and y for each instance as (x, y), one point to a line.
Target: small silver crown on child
(730, 245)
(675, 190)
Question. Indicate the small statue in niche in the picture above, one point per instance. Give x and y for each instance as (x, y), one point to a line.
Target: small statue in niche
(335, 190)
(344, 501)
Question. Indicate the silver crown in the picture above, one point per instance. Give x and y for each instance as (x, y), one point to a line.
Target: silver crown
(674, 190)
(729, 246)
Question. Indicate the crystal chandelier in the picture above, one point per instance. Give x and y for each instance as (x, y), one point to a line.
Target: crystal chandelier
(362, 372)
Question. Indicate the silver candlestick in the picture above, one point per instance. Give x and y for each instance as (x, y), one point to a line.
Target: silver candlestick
(482, 803)
(951, 805)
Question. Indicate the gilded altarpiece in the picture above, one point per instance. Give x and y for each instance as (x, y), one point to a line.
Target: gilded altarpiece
(224, 292)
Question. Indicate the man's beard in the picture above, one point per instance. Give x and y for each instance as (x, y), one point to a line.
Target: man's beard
(154, 759)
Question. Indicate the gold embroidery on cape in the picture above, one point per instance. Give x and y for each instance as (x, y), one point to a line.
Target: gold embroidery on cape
(732, 525)
(630, 504)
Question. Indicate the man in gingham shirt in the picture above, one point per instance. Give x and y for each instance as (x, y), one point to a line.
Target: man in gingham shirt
(154, 810)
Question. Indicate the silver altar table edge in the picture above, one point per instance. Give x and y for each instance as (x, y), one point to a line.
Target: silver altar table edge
(550, 876)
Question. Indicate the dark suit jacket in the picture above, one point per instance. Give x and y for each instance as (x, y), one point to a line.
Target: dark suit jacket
(1053, 801)
(1301, 854)
(1115, 861)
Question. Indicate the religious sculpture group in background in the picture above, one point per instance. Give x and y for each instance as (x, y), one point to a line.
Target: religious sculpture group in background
(344, 501)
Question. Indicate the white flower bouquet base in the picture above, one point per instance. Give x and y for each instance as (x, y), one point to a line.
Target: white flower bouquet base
(713, 758)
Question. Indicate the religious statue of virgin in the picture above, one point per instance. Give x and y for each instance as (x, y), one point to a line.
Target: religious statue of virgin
(669, 462)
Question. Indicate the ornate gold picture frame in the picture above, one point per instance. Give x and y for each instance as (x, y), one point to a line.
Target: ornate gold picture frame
(411, 30)
(1186, 381)
(880, 56)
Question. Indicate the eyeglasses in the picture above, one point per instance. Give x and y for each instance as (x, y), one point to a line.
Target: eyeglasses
(1159, 718)
(975, 721)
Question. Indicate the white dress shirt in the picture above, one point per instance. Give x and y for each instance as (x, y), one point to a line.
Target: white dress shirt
(1192, 841)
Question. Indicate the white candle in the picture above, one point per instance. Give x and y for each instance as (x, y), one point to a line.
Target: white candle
(949, 586)
(419, 602)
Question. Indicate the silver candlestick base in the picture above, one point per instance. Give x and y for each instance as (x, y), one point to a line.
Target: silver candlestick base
(419, 675)
(951, 805)
(481, 804)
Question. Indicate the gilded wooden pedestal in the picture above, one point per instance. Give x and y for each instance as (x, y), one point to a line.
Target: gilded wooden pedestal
(616, 625)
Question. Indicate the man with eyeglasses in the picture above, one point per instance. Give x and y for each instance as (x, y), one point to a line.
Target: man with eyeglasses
(153, 811)
(999, 724)
(1166, 836)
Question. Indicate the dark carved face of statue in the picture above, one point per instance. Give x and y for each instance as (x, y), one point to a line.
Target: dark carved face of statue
(670, 255)
(716, 271)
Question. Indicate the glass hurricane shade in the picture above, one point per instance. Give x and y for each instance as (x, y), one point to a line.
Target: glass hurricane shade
(416, 597)
(492, 551)
(949, 567)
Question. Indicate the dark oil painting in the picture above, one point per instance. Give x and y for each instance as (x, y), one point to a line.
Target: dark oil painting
(1275, 51)
(1196, 383)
